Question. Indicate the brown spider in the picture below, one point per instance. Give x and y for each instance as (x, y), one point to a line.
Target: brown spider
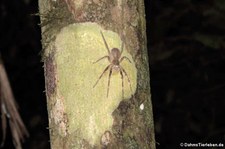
(114, 57)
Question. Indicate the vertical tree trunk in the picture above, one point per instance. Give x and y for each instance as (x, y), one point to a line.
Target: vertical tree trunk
(94, 102)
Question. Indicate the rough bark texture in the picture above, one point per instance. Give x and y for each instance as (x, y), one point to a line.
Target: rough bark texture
(132, 119)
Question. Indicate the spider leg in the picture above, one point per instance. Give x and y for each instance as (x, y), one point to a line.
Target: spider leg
(102, 75)
(110, 73)
(106, 45)
(124, 57)
(122, 48)
(121, 73)
(101, 59)
(127, 78)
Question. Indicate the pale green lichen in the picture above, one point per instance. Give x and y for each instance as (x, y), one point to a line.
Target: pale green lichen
(88, 109)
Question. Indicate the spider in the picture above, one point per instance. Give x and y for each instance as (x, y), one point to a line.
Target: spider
(114, 58)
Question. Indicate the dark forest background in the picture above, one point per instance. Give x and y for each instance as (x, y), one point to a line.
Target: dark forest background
(186, 45)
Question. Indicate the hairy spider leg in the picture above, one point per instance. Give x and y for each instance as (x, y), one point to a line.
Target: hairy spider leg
(110, 73)
(127, 78)
(106, 45)
(101, 59)
(121, 73)
(122, 48)
(102, 74)
(124, 57)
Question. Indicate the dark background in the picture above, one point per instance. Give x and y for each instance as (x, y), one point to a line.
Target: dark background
(186, 41)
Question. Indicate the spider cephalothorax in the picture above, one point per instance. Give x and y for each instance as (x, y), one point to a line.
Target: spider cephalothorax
(114, 57)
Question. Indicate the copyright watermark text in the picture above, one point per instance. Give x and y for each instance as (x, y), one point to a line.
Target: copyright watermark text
(199, 144)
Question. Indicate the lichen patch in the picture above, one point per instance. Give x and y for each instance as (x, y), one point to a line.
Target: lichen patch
(88, 109)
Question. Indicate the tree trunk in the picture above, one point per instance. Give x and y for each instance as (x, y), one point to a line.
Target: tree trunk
(96, 72)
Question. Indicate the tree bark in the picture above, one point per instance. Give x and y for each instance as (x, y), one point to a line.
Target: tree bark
(87, 109)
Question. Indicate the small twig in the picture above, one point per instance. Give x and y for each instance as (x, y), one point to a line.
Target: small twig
(9, 112)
